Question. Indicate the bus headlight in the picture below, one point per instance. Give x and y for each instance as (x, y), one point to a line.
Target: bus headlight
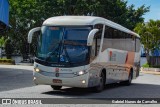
(83, 81)
(81, 72)
(37, 69)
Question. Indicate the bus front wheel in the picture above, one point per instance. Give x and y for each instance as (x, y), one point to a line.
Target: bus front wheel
(56, 87)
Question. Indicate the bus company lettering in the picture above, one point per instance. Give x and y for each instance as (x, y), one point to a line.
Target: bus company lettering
(56, 69)
(65, 69)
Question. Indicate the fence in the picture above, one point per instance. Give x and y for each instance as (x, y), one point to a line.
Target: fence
(154, 60)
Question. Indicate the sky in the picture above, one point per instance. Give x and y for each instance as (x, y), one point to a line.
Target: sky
(154, 12)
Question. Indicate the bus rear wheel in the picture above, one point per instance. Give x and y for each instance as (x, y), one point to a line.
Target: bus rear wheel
(128, 82)
(56, 87)
(101, 85)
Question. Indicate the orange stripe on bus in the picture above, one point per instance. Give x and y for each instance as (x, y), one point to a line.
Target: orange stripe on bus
(130, 58)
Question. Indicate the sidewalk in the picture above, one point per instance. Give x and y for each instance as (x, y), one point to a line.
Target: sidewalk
(17, 67)
(155, 71)
(151, 72)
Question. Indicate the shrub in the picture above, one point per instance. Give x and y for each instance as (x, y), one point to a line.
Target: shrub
(6, 61)
(146, 65)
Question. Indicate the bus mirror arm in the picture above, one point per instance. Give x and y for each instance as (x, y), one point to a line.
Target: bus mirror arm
(91, 36)
(31, 32)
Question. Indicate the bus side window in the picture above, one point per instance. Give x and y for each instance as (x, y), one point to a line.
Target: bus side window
(138, 45)
(96, 41)
(130, 41)
(97, 38)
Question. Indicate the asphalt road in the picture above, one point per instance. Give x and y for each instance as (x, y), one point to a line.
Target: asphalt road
(13, 81)
(15, 78)
(17, 83)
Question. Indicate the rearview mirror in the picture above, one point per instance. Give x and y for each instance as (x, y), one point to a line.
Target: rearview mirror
(31, 32)
(91, 36)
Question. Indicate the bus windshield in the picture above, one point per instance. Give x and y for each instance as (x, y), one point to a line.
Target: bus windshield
(63, 45)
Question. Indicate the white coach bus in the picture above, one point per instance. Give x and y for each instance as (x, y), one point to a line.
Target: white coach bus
(85, 51)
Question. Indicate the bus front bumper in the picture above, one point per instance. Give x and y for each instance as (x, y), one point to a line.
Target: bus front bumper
(77, 81)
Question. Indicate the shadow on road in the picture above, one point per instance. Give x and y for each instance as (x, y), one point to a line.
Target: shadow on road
(79, 91)
(135, 90)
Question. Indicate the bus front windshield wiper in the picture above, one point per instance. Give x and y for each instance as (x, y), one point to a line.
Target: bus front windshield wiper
(55, 51)
(66, 54)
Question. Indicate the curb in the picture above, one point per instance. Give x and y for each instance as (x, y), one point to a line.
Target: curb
(151, 72)
(17, 67)
(150, 69)
(155, 71)
(25, 64)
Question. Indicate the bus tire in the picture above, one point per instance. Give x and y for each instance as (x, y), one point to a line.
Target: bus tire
(128, 82)
(101, 85)
(56, 87)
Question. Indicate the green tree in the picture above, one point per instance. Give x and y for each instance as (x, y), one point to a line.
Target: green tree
(26, 14)
(134, 16)
(150, 35)
(2, 44)
(8, 49)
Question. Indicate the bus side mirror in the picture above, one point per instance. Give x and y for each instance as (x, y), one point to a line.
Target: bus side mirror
(31, 32)
(91, 36)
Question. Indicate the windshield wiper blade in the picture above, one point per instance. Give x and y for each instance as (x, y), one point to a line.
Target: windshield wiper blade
(69, 60)
(53, 52)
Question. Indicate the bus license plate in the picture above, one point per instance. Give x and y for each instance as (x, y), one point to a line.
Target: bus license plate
(57, 81)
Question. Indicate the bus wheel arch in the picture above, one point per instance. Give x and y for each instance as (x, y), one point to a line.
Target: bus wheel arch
(130, 77)
(131, 72)
(129, 80)
(101, 86)
(104, 72)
